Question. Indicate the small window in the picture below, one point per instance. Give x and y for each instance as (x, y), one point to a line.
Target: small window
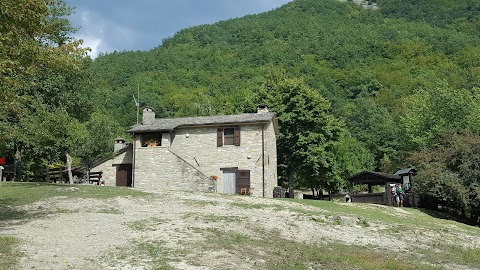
(228, 136)
(151, 140)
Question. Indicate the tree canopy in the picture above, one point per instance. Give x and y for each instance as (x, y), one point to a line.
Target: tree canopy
(395, 78)
(313, 146)
(449, 173)
(44, 84)
(379, 84)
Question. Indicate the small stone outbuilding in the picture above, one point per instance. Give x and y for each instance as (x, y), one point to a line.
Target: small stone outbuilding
(117, 169)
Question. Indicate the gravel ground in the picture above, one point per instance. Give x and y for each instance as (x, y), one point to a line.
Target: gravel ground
(100, 234)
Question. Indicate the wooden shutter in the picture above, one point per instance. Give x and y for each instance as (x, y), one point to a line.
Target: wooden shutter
(219, 137)
(237, 136)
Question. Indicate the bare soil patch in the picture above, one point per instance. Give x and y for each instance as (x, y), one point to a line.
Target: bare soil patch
(194, 231)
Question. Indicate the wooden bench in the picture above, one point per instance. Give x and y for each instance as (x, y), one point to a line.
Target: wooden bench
(95, 177)
(56, 174)
(246, 191)
(7, 175)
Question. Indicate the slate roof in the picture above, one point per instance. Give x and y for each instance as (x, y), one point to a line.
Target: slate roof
(170, 124)
(121, 151)
(406, 171)
(369, 177)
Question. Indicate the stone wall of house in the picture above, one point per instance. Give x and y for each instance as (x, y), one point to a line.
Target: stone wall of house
(158, 169)
(193, 153)
(109, 167)
(271, 179)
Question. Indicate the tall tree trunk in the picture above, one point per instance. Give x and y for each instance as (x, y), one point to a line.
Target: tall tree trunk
(88, 174)
(17, 174)
(69, 169)
(290, 184)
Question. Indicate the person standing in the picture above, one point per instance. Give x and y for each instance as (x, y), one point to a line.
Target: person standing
(400, 194)
(395, 199)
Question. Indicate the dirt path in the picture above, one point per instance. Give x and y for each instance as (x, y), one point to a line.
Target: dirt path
(104, 234)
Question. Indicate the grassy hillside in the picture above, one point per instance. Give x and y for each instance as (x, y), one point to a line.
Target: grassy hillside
(212, 231)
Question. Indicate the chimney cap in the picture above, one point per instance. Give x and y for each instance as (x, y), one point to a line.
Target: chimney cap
(148, 116)
(261, 108)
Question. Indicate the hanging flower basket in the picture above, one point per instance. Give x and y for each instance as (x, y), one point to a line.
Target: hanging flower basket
(151, 142)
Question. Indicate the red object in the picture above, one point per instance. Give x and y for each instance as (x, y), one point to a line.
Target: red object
(2, 161)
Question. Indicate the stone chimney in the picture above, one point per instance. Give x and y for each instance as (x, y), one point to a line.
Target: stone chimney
(262, 108)
(119, 144)
(148, 116)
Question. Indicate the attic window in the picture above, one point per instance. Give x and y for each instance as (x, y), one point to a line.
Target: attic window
(150, 140)
(228, 136)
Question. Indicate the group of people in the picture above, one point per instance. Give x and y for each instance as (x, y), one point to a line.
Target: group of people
(397, 195)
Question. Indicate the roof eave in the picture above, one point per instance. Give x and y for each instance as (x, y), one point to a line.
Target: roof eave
(140, 131)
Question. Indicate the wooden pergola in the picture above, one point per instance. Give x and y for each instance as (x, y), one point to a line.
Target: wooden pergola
(371, 179)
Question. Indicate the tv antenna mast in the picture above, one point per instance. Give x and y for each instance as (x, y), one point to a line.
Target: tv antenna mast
(137, 101)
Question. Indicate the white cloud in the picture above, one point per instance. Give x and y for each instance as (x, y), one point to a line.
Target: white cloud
(93, 43)
(102, 34)
(107, 26)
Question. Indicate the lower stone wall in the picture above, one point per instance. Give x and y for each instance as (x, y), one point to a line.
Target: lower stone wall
(158, 169)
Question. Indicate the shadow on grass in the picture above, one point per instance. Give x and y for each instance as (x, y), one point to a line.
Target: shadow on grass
(14, 213)
(11, 199)
(448, 216)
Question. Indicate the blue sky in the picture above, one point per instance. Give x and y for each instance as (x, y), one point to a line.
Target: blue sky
(124, 25)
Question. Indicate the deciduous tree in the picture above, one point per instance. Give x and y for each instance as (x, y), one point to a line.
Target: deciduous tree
(310, 147)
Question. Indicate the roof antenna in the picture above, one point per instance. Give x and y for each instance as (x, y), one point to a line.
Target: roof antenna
(137, 102)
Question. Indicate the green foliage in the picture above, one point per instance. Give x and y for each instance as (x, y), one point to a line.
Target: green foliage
(45, 136)
(434, 111)
(102, 129)
(386, 73)
(351, 157)
(461, 15)
(398, 77)
(312, 145)
(45, 87)
(33, 37)
(449, 172)
(373, 125)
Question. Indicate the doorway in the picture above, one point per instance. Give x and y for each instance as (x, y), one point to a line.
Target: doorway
(229, 180)
(235, 181)
(124, 175)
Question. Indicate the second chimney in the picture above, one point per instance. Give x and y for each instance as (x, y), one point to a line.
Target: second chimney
(148, 116)
(262, 108)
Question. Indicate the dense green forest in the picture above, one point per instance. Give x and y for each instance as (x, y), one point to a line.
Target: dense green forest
(387, 84)
(399, 80)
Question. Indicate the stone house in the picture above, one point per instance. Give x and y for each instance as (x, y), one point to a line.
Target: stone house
(233, 154)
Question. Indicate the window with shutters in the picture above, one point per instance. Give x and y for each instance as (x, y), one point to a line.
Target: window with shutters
(228, 136)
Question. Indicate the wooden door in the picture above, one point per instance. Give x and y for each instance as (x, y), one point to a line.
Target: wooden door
(229, 182)
(124, 175)
(243, 181)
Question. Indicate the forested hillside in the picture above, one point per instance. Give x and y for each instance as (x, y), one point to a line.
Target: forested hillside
(375, 66)
(386, 84)
(399, 78)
